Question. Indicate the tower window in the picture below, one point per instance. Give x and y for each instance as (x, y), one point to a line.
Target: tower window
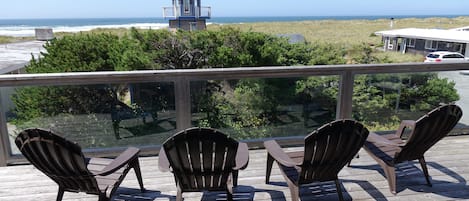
(187, 6)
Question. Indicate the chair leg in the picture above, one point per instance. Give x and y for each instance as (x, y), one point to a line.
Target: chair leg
(425, 170)
(339, 190)
(391, 177)
(235, 178)
(138, 173)
(60, 195)
(102, 197)
(270, 162)
(229, 196)
(229, 193)
(179, 194)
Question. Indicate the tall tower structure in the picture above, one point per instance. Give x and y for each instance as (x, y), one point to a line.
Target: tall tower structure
(187, 15)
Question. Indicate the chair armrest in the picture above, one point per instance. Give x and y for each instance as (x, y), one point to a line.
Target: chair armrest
(277, 153)
(242, 156)
(405, 124)
(123, 159)
(163, 162)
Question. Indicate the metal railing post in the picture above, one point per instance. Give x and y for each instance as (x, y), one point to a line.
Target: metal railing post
(344, 99)
(4, 139)
(182, 92)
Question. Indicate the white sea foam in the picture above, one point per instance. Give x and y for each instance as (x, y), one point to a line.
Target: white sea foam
(21, 31)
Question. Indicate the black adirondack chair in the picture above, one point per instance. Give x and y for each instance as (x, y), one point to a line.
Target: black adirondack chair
(203, 159)
(327, 150)
(63, 161)
(389, 150)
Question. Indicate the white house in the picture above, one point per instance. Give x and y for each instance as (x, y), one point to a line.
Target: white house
(422, 41)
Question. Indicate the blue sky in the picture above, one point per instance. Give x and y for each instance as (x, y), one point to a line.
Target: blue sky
(14, 9)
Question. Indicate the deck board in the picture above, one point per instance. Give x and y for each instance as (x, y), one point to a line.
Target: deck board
(448, 165)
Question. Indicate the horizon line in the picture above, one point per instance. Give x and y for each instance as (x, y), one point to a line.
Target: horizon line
(250, 16)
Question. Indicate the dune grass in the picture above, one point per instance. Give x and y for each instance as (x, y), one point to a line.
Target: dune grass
(10, 39)
(346, 32)
(349, 33)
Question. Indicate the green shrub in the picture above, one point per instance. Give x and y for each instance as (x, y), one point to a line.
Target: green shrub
(248, 106)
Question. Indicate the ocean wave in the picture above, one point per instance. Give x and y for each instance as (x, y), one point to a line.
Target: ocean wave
(25, 31)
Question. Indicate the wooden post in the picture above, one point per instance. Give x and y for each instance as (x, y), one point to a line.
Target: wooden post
(183, 103)
(467, 50)
(344, 99)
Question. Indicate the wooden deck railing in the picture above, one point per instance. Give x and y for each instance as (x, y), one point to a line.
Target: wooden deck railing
(182, 79)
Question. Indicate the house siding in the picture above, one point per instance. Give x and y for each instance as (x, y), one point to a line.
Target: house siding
(419, 47)
(185, 24)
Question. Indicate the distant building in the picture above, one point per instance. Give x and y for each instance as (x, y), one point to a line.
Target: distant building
(423, 41)
(187, 15)
(44, 34)
(293, 38)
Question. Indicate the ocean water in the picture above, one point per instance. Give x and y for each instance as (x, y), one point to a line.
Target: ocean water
(25, 27)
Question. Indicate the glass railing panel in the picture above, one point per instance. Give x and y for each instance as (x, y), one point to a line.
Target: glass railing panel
(94, 116)
(382, 101)
(461, 84)
(264, 108)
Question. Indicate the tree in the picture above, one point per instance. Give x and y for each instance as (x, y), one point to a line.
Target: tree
(78, 53)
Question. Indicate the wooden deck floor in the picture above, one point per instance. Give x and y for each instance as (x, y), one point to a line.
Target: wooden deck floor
(448, 165)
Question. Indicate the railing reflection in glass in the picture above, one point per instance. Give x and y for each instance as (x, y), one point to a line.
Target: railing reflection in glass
(263, 108)
(382, 101)
(95, 116)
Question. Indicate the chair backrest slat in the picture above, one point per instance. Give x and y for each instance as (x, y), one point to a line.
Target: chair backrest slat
(330, 148)
(207, 160)
(201, 158)
(196, 155)
(429, 129)
(186, 168)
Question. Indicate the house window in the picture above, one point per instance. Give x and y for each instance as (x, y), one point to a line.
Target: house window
(390, 43)
(458, 47)
(431, 45)
(453, 56)
(411, 42)
(187, 6)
